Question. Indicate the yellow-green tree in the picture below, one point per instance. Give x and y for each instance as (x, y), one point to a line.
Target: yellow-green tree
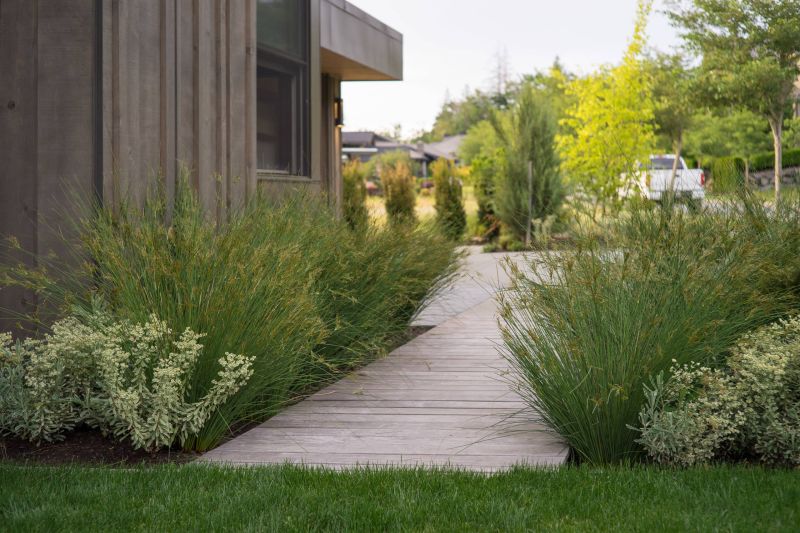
(610, 125)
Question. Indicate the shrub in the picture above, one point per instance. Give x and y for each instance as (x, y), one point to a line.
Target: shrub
(728, 174)
(483, 172)
(450, 214)
(399, 190)
(750, 409)
(529, 137)
(383, 160)
(683, 288)
(766, 160)
(354, 194)
(129, 380)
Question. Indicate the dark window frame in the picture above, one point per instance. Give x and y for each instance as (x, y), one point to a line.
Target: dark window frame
(298, 69)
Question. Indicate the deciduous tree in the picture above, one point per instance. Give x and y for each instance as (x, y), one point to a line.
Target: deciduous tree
(750, 53)
(611, 123)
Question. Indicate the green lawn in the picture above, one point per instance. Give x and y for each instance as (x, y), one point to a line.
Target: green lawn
(196, 498)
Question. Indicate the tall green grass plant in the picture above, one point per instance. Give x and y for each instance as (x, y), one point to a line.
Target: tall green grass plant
(674, 288)
(290, 285)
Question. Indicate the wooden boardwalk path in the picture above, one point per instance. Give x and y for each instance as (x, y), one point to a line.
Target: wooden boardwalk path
(443, 399)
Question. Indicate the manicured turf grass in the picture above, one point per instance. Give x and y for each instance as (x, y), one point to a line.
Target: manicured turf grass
(197, 498)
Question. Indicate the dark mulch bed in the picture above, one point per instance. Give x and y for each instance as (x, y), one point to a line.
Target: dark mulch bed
(86, 447)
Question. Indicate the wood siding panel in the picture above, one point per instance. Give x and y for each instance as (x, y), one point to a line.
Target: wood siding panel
(148, 78)
(167, 125)
(181, 93)
(65, 119)
(177, 85)
(18, 97)
(204, 108)
(236, 108)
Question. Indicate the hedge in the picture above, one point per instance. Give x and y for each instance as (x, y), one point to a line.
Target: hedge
(766, 160)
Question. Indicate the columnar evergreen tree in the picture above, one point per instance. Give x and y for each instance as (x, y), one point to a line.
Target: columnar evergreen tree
(529, 184)
(450, 214)
(483, 174)
(399, 190)
(354, 194)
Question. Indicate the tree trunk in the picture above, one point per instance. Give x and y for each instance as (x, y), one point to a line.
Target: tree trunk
(530, 205)
(747, 172)
(777, 136)
(678, 149)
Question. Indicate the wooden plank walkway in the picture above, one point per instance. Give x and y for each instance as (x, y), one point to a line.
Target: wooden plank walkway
(443, 399)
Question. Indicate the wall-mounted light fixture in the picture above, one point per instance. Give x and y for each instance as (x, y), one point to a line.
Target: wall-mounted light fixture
(338, 112)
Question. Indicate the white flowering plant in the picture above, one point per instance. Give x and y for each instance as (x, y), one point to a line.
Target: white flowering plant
(129, 380)
(747, 410)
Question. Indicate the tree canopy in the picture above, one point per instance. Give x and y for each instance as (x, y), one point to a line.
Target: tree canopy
(611, 121)
(750, 52)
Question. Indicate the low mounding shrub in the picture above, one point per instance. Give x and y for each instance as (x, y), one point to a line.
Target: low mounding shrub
(676, 288)
(128, 380)
(354, 201)
(450, 214)
(399, 190)
(750, 409)
(290, 286)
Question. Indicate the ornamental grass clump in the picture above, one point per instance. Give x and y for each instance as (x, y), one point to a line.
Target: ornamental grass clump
(366, 285)
(244, 293)
(676, 288)
(290, 286)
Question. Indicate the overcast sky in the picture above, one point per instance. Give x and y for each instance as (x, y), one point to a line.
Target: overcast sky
(453, 44)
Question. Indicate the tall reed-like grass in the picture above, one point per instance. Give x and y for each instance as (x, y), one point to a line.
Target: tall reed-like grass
(290, 285)
(675, 287)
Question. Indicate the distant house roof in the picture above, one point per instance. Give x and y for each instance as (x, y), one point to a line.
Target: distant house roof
(364, 142)
(363, 139)
(446, 148)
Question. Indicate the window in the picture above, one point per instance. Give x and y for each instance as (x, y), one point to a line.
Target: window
(664, 163)
(282, 87)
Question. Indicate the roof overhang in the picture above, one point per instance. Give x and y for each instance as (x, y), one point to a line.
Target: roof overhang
(355, 46)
